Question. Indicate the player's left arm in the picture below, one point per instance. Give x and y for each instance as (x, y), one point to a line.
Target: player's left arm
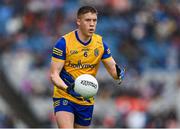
(110, 66)
(114, 69)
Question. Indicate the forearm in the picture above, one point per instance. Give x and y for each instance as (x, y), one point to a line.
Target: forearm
(56, 80)
(111, 68)
(112, 71)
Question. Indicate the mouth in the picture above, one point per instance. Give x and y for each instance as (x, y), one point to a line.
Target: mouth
(91, 30)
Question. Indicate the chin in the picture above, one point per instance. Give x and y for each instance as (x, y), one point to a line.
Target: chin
(90, 34)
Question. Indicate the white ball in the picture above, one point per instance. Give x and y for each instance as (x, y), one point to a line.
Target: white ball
(86, 85)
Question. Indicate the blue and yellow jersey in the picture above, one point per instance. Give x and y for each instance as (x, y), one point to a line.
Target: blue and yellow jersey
(79, 58)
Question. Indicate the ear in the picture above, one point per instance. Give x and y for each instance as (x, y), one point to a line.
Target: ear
(78, 21)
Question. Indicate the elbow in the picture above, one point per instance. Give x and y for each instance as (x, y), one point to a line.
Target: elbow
(52, 77)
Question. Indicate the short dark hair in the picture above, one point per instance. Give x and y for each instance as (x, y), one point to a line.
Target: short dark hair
(86, 9)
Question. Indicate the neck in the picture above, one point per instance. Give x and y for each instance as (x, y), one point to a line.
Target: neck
(83, 37)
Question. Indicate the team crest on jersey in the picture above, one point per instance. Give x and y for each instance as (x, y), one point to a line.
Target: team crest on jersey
(65, 102)
(96, 52)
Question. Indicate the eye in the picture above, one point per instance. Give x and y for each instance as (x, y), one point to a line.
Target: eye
(94, 20)
(88, 20)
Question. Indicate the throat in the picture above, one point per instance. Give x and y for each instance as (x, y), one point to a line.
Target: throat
(82, 38)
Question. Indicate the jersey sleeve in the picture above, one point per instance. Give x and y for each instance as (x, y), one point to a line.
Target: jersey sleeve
(107, 52)
(59, 50)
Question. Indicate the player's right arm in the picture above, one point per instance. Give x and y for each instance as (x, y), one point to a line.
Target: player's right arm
(59, 77)
(57, 63)
(55, 69)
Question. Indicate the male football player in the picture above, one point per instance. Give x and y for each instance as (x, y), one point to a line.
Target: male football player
(78, 52)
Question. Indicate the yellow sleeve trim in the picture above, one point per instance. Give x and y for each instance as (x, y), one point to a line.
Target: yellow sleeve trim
(57, 60)
(109, 58)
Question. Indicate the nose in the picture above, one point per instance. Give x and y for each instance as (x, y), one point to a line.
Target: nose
(92, 23)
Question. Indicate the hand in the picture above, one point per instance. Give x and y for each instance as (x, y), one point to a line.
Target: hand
(120, 74)
(69, 81)
(70, 90)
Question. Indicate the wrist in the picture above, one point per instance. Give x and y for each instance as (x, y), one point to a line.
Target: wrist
(65, 88)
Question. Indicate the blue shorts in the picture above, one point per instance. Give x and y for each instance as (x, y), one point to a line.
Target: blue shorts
(82, 113)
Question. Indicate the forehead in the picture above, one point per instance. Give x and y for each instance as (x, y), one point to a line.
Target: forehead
(88, 15)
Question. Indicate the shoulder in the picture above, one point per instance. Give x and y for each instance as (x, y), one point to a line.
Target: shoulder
(69, 35)
(60, 41)
(98, 38)
(64, 38)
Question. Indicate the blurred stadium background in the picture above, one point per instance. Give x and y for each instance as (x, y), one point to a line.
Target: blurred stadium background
(143, 35)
